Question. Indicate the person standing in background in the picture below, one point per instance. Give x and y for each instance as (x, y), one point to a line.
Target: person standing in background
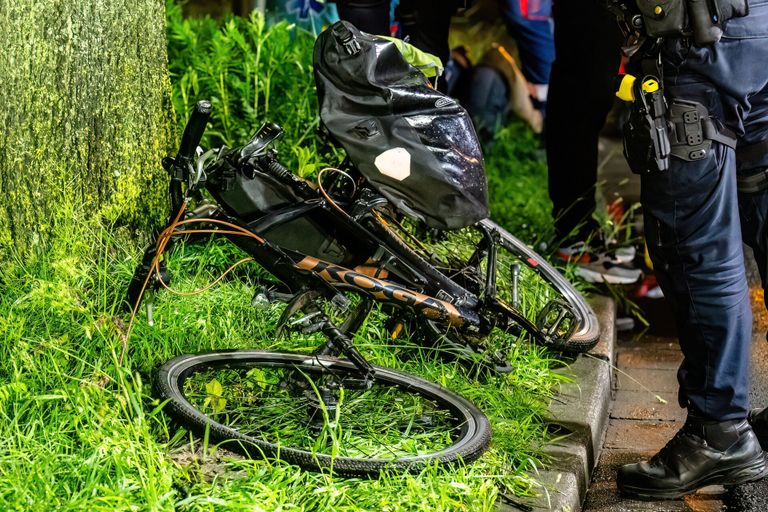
(581, 93)
(529, 22)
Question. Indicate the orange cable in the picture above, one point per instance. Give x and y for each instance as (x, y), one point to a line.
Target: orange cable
(163, 240)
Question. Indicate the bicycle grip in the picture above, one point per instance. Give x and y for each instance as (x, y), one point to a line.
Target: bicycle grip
(194, 130)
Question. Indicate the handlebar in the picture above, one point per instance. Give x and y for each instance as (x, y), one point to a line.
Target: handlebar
(193, 132)
(254, 153)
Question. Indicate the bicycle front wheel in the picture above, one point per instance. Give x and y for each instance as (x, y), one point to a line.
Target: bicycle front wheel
(319, 413)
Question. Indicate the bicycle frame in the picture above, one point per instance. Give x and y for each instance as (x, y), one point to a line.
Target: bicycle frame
(294, 269)
(460, 309)
(418, 286)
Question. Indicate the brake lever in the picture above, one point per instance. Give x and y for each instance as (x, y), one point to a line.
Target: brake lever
(197, 177)
(264, 137)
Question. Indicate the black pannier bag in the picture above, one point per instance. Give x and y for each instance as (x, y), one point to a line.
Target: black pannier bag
(416, 146)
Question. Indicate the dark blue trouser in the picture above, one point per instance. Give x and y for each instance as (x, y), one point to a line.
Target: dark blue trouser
(693, 216)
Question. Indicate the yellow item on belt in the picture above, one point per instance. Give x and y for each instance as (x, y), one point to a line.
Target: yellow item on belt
(626, 90)
(650, 85)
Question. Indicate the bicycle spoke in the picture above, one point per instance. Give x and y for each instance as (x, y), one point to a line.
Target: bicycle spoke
(283, 404)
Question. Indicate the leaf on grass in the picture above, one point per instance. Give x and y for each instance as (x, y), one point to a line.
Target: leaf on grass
(214, 390)
(256, 376)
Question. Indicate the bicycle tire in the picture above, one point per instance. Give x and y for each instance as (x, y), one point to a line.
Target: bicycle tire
(587, 333)
(475, 433)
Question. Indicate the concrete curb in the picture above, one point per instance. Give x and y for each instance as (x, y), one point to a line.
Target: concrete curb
(578, 413)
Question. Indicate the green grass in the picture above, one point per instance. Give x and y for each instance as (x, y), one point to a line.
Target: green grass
(68, 442)
(251, 73)
(82, 430)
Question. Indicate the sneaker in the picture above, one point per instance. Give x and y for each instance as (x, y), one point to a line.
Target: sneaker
(702, 453)
(610, 266)
(618, 254)
(649, 288)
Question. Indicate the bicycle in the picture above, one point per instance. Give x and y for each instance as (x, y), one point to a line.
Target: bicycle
(324, 245)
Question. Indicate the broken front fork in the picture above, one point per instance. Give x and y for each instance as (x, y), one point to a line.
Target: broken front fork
(315, 320)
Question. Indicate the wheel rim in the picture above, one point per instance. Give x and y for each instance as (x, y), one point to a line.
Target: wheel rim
(394, 431)
(550, 304)
(586, 328)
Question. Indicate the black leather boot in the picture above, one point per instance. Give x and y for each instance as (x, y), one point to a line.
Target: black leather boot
(758, 418)
(702, 453)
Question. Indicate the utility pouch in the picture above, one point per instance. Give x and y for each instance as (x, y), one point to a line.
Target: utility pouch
(692, 130)
(702, 20)
(663, 18)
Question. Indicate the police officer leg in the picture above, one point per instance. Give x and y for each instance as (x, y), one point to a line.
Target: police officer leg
(752, 163)
(693, 232)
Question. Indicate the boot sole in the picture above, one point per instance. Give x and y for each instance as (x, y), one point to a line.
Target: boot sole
(730, 476)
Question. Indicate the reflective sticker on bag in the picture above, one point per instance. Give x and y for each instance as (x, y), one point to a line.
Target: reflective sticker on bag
(395, 163)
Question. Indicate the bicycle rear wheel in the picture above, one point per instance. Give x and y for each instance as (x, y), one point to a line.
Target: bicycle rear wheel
(526, 285)
(584, 333)
(317, 412)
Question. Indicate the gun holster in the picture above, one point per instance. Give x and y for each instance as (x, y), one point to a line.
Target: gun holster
(646, 138)
(685, 131)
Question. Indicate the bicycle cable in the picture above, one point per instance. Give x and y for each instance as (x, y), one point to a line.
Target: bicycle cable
(163, 240)
(325, 194)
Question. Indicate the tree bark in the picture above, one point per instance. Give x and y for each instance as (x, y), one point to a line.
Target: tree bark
(84, 114)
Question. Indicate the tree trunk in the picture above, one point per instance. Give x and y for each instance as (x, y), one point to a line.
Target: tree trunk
(84, 113)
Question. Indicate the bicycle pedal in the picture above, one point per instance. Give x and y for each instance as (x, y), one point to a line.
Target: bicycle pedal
(557, 318)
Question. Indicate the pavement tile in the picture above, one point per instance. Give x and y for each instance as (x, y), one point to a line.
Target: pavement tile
(643, 436)
(641, 405)
(645, 379)
(651, 357)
